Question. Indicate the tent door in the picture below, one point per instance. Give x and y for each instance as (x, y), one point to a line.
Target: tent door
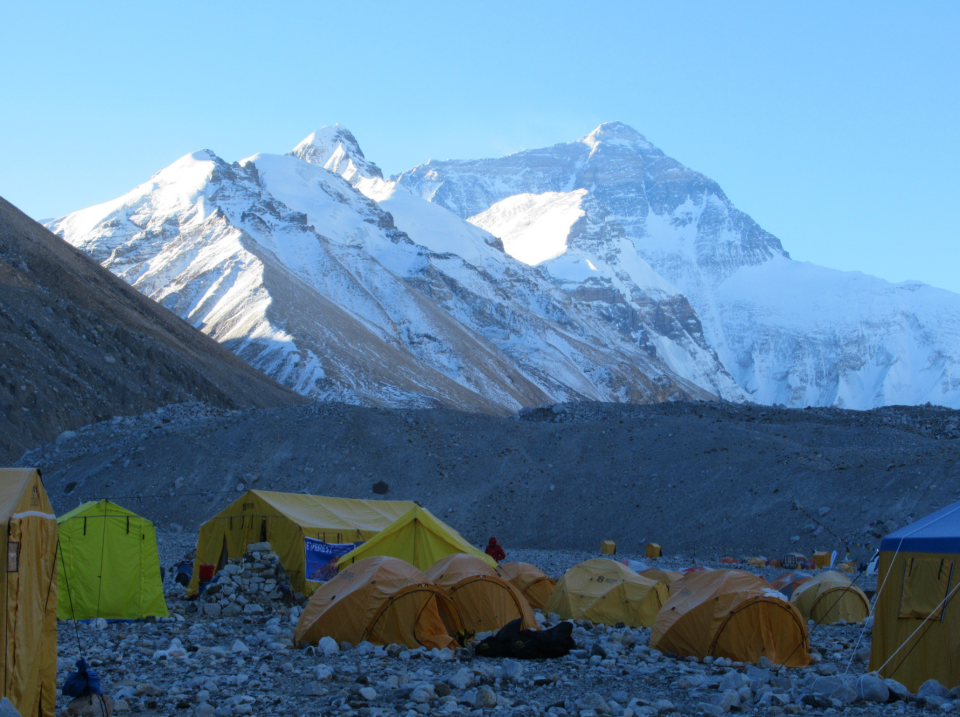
(224, 556)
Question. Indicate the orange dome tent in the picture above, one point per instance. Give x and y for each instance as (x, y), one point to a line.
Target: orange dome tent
(485, 601)
(733, 614)
(607, 592)
(383, 600)
(530, 580)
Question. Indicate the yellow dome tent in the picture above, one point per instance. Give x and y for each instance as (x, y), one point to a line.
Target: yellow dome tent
(417, 537)
(486, 602)
(382, 600)
(108, 565)
(734, 614)
(605, 591)
(284, 520)
(829, 598)
(28, 630)
(668, 576)
(535, 584)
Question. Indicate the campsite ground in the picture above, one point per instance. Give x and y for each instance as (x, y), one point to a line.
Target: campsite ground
(246, 665)
(703, 480)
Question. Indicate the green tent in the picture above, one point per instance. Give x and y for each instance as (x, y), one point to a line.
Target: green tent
(108, 565)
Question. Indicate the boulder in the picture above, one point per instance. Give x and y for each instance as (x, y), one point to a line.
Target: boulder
(932, 688)
(486, 698)
(423, 694)
(91, 706)
(871, 688)
(897, 690)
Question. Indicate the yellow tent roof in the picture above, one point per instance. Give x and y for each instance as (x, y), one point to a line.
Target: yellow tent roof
(417, 537)
(13, 483)
(332, 514)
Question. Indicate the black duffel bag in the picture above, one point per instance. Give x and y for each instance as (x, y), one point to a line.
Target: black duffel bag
(511, 641)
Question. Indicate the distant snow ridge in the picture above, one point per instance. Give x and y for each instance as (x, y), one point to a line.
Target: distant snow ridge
(611, 210)
(348, 287)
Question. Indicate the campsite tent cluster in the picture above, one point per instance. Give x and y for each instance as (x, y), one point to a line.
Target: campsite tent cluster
(403, 576)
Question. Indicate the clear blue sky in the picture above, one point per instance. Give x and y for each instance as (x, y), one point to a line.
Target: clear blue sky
(835, 125)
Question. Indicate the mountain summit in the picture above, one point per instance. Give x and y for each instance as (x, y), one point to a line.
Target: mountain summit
(335, 148)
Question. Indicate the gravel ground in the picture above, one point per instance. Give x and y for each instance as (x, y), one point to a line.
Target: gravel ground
(192, 664)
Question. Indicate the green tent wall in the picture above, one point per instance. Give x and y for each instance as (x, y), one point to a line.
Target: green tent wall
(108, 565)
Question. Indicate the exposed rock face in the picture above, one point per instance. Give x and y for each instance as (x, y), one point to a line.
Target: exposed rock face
(77, 345)
(788, 332)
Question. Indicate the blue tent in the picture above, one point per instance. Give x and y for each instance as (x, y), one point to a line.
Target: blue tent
(937, 533)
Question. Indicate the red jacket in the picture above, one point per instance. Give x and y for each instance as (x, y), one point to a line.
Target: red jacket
(495, 551)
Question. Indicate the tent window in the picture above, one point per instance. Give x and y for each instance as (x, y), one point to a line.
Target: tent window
(926, 582)
(13, 557)
(263, 530)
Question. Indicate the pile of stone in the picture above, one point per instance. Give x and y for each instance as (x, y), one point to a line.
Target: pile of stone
(255, 584)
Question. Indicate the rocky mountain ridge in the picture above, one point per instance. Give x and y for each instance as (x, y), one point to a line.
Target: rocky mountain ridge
(358, 291)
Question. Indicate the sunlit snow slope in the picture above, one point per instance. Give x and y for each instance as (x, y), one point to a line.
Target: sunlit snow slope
(611, 210)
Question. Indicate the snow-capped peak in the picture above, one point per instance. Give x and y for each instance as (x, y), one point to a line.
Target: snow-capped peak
(616, 133)
(335, 148)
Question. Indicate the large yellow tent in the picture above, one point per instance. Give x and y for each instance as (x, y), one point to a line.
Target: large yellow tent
(28, 631)
(916, 627)
(382, 600)
(606, 591)
(535, 584)
(486, 601)
(829, 598)
(284, 520)
(417, 537)
(108, 565)
(733, 614)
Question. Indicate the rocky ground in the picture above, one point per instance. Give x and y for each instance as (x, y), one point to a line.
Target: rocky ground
(704, 478)
(209, 662)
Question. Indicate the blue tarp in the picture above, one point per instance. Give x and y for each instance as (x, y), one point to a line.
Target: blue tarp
(937, 533)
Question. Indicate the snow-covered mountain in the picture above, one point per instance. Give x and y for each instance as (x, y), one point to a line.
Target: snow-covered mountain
(611, 217)
(345, 286)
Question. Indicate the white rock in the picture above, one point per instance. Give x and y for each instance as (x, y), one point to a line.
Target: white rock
(368, 693)
(238, 646)
(328, 646)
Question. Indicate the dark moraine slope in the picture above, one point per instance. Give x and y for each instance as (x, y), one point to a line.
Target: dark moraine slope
(688, 475)
(78, 345)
